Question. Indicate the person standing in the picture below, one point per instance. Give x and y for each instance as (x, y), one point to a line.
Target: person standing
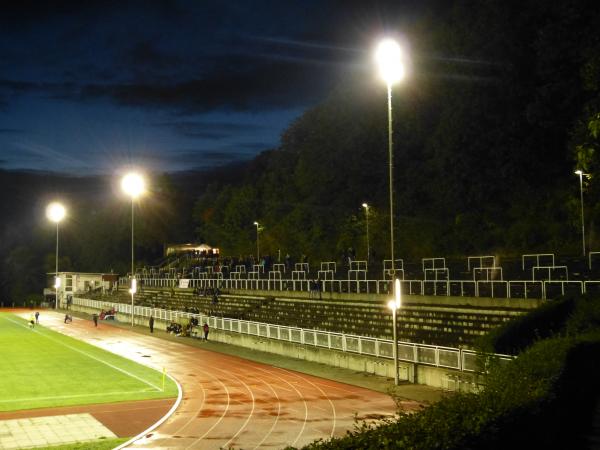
(37, 317)
(31, 321)
(205, 329)
(95, 319)
(151, 323)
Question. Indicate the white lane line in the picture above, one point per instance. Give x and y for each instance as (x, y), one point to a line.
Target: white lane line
(194, 416)
(256, 367)
(61, 397)
(323, 392)
(90, 356)
(160, 422)
(220, 418)
(249, 415)
(276, 418)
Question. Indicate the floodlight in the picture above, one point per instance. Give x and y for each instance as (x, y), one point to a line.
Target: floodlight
(578, 172)
(55, 212)
(133, 185)
(389, 60)
(133, 289)
(364, 205)
(392, 305)
(56, 282)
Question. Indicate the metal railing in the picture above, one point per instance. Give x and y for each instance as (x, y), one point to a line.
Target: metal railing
(430, 355)
(535, 289)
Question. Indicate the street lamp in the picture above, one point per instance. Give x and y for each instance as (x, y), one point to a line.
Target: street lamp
(134, 186)
(55, 212)
(391, 70)
(581, 174)
(257, 244)
(394, 305)
(366, 206)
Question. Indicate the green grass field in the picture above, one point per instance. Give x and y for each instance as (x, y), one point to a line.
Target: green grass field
(40, 368)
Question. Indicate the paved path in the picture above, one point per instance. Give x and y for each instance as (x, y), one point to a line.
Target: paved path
(233, 402)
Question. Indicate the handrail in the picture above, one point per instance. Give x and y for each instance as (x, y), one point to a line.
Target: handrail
(527, 289)
(431, 355)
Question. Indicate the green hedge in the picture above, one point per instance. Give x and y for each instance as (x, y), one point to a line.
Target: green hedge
(516, 335)
(542, 399)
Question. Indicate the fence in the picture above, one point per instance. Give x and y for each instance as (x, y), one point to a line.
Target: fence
(535, 289)
(430, 355)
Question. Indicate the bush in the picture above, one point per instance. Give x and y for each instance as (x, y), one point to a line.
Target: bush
(513, 337)
(542, 399)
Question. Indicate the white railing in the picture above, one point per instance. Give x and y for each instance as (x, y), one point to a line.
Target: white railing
(534, 289)
(431, 355)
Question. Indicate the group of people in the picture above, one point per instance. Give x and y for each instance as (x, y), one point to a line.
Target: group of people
(178, 330)
(108, 315)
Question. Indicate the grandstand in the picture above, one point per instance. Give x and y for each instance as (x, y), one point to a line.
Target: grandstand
(352, 294)
(438, 324)
(538, 275)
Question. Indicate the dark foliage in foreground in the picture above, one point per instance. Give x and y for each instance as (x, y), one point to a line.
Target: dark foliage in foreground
(542, 399)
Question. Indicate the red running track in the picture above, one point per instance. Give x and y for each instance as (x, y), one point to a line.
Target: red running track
(233, 402)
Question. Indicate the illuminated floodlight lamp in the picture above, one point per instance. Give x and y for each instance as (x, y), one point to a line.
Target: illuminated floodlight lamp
(389, 60)
(133, 289)
(56, 282)
(133, 185)
(55, 212)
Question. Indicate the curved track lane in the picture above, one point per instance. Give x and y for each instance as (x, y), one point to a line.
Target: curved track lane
(233, 402)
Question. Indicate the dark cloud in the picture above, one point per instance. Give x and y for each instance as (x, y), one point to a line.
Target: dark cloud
(146, 55)
(209, 130)
(253, 147)
(260, 85)
(189, 156)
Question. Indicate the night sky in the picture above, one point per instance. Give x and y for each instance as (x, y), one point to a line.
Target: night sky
(92, 87)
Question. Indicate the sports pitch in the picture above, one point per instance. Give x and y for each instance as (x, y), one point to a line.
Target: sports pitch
(40, 368)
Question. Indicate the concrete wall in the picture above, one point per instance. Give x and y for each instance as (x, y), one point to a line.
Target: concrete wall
(437, 300)
(428, 375)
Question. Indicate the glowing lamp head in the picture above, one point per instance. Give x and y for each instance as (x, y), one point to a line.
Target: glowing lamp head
(578, 172)
(365, 205)
(133, 289)
(133, 185)
(56, 282)
(389, 59)
(55, 212)
(256, 223)
(392, 305)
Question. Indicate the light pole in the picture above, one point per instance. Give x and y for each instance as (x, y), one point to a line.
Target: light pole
(395, 305)
(391, 70)
(133, 185)
(257, 244)
(55, 213)
(366, 206)
(581, 174)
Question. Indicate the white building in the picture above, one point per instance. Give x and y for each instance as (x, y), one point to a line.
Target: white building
(72, 283)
